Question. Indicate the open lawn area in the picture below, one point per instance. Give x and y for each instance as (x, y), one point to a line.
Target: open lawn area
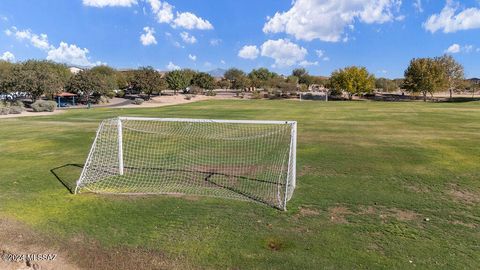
(379, 185)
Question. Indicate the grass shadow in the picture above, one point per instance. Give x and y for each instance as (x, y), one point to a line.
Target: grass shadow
(67, 175)
(463, 99)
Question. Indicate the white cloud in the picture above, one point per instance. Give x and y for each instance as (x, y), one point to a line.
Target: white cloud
(164, 14)
(38, 41)
(147, 38)
(284, 52)
(109, 3)
(468, 48)
(207, 64)
(8, 56)
(417, 4)
(187, 38)
(222, 62)
(215, 41)
(192, 57)
(308, 63)
(71, 54)
(449, 22)
(162, 10)
(178, 45)
(249, 52)
(383, 71)
(456, 48)
(190, 21)
(321, 55)
(64, 53)
(172, 66)
(326, 20)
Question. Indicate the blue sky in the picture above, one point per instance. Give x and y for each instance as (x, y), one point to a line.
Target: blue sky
(320, 35)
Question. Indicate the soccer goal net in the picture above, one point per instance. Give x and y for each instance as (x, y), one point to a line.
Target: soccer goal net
(246, 160)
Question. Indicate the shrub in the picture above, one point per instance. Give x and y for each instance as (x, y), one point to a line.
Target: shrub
(275, 94)
(110, 94)
(103, 100)
(195, 90)
(120, 94)
(4, 110)
(15, 110)
(188, 97)
(17, 103)
(256, 95)
(210, 93)
(44, 106)
(138, 101)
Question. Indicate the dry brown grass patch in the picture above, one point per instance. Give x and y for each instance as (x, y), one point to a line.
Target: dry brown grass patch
(385, 213)
(468, 225)
(338, 214)
(418, 189)
(463, 195)
(79, 252)
(308, 212)
(404, 215)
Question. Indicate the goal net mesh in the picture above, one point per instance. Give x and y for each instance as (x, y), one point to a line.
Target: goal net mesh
(245, 160)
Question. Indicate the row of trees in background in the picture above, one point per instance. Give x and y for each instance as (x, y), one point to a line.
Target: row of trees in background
(44, 78)
(430, 75)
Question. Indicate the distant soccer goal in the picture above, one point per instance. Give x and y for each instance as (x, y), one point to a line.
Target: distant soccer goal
(237, 159)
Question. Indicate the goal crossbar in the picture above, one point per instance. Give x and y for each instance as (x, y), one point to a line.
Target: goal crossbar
(193, 120)
(238, 159)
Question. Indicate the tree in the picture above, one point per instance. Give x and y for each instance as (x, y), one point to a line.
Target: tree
(386, 85)
(204, 81)
(223, 84)
(259, 77)
(179, 79)
(109, 75)
(303, 76)
(8, 79)
(125, 78)
(322, 81)
(87, 84)
(453, 72)
(353, 80)
(424, 75)
(148, 81)
(41, 77)
(471, 85)
(299, 72)
(237, 78)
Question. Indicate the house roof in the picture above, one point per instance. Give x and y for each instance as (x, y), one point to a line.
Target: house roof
(65, 94)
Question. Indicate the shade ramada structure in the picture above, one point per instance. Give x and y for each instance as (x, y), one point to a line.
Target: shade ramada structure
(65, 95)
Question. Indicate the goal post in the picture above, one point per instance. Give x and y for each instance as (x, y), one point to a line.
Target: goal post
(237, 159)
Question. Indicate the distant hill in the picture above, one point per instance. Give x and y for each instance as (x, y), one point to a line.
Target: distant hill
(218, 72)
(475, 80)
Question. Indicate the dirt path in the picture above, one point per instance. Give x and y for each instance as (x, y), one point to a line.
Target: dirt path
(78, 252)
(17, 239)
(165, 101)
(154, 102)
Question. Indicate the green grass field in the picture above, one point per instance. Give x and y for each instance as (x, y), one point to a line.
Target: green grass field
(380, 185)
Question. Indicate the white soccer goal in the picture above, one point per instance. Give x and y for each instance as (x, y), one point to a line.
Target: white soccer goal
(238, 159)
